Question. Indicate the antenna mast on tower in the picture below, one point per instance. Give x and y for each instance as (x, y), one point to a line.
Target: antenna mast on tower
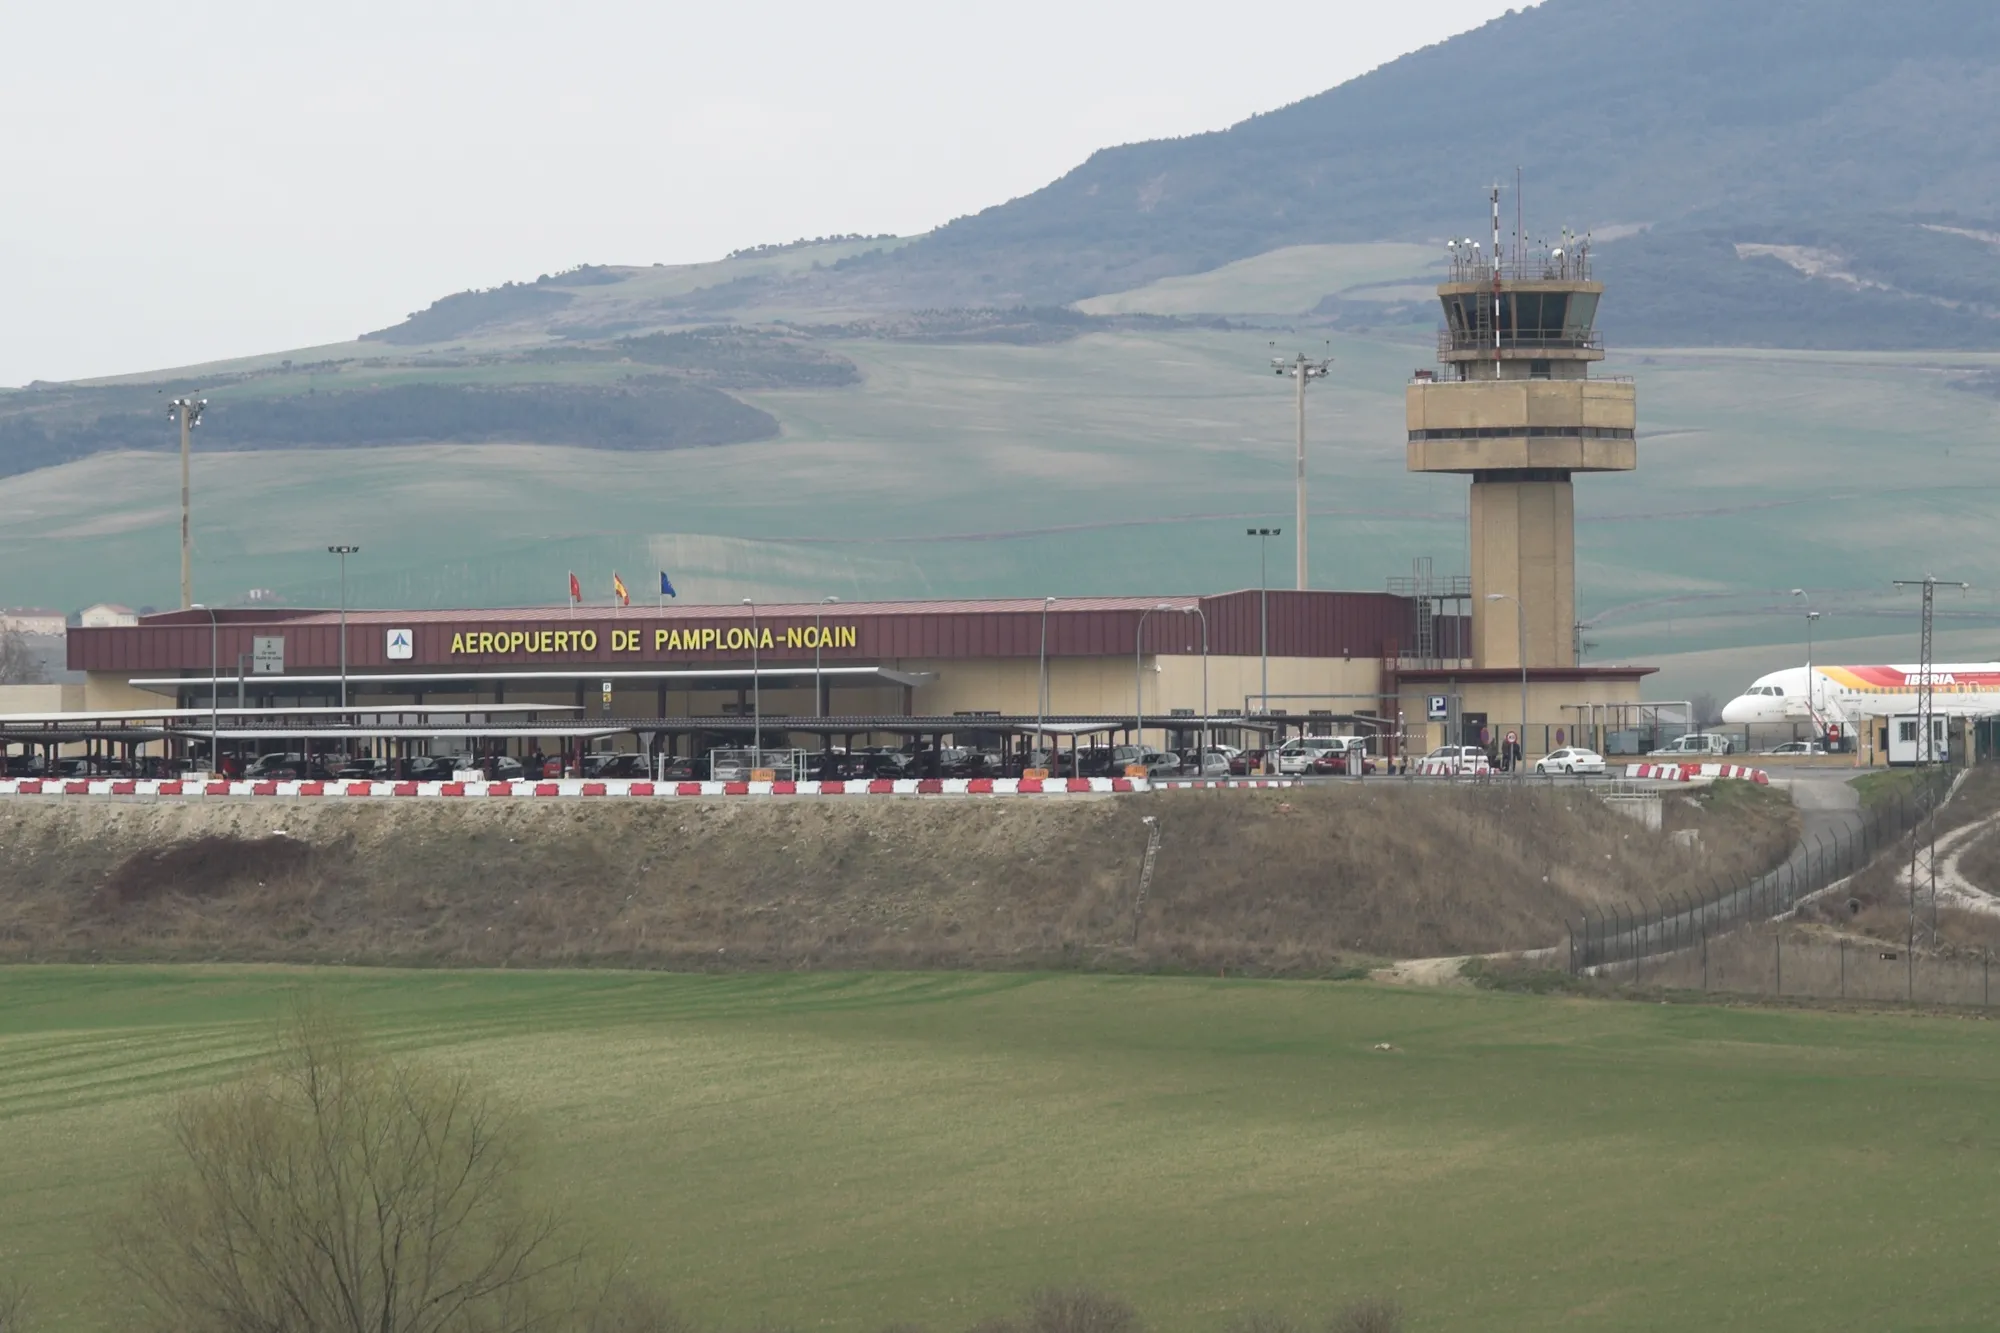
(1496, 281)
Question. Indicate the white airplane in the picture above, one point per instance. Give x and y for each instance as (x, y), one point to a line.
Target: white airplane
(1843, 695)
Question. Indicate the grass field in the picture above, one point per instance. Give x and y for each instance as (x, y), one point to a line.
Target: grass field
(848, 1151)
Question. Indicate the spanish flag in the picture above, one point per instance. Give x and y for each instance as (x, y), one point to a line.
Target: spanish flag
(618, 590)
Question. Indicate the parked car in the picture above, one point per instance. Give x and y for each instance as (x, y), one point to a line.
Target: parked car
(1296, 756)
(1157, 763)
(90, 766)
(1702, 743)
(1334, 762)
(1205, 764)
(1245, 763)
(1098, 761)
(258, 768)
(678, 768)
(621, 766)
(365, 770)
(730, 765)
(1464, 760)
(1799, 747)
(1573, 759)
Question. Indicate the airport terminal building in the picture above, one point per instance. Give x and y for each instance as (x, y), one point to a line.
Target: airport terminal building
(684, 678)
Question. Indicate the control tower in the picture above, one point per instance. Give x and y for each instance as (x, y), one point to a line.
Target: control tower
(1515, 409)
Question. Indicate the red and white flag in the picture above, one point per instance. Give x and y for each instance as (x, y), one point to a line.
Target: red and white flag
(575, 588)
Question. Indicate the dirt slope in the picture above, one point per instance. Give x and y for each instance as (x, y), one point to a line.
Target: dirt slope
(1291, 881)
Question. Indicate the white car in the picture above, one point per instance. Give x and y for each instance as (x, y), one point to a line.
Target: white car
(1295, 757)
(1574, 759)
(1449, 760)
(1799, 747)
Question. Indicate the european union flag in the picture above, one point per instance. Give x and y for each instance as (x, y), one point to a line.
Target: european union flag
(666, 587)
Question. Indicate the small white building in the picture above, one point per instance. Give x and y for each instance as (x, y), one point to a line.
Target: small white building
(107, 615)
(34, 620)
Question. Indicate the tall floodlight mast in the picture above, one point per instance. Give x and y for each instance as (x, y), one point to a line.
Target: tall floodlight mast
(1304, 370)
(186, 411)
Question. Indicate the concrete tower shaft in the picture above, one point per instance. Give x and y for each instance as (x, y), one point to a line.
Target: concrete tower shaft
(1516, 410)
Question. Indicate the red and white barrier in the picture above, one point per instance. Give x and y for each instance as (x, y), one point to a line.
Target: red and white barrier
(1697, 772)
(572, 787)
(1178, 784)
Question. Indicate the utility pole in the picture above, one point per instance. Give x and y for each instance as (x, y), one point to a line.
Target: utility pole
(187, 411)
(343, 552)
(1926, 842)
(1812, 705)
(1263, 536)
(1303, 370)
(756, 690)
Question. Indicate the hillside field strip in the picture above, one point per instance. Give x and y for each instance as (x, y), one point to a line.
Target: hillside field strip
(852, 1151)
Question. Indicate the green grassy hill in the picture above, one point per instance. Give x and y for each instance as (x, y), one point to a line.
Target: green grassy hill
(1849, 144)
(853, 1152)
(1126, 459)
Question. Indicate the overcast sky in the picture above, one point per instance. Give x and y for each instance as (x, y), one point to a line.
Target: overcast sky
(205, 180)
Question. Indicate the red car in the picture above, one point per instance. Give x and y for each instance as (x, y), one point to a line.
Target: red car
(1335, 762)
(1246, 763)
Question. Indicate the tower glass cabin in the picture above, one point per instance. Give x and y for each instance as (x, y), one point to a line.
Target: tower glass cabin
(1516, 409)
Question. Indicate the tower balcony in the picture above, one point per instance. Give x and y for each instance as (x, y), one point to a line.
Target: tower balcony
(1544, 426)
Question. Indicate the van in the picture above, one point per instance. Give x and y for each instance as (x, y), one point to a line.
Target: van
(1696, 743)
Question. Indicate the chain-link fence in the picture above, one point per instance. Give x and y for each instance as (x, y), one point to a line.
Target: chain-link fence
(1778, 962)
(1682, 920)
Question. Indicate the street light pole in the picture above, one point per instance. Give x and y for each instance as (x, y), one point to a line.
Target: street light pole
(1138, 676)
(343, 552)
(1042, 678)
(756, 691)
(819, 688)
(1304, 371)
(1263, 536)
(1201, 753)
(187, 411)
(1521, 625)
(214, 684)
(1812, 707)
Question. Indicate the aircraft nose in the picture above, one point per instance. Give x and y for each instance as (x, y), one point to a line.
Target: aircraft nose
(1739, 711)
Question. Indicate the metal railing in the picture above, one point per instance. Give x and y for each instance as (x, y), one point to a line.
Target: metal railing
(1481, 340)
(1683, 920)
(1477, 266)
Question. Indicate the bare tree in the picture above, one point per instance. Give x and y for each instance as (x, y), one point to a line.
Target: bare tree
(19, 664)
(1370, 1316)
(338, 1192)
(1079, 1309)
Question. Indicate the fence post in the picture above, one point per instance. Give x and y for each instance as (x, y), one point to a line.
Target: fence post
(1704, 960)
(1778, 955)
(1843, 967)
(1571, 929)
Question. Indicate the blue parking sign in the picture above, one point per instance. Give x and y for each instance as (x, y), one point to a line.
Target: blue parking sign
(1438, 712)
